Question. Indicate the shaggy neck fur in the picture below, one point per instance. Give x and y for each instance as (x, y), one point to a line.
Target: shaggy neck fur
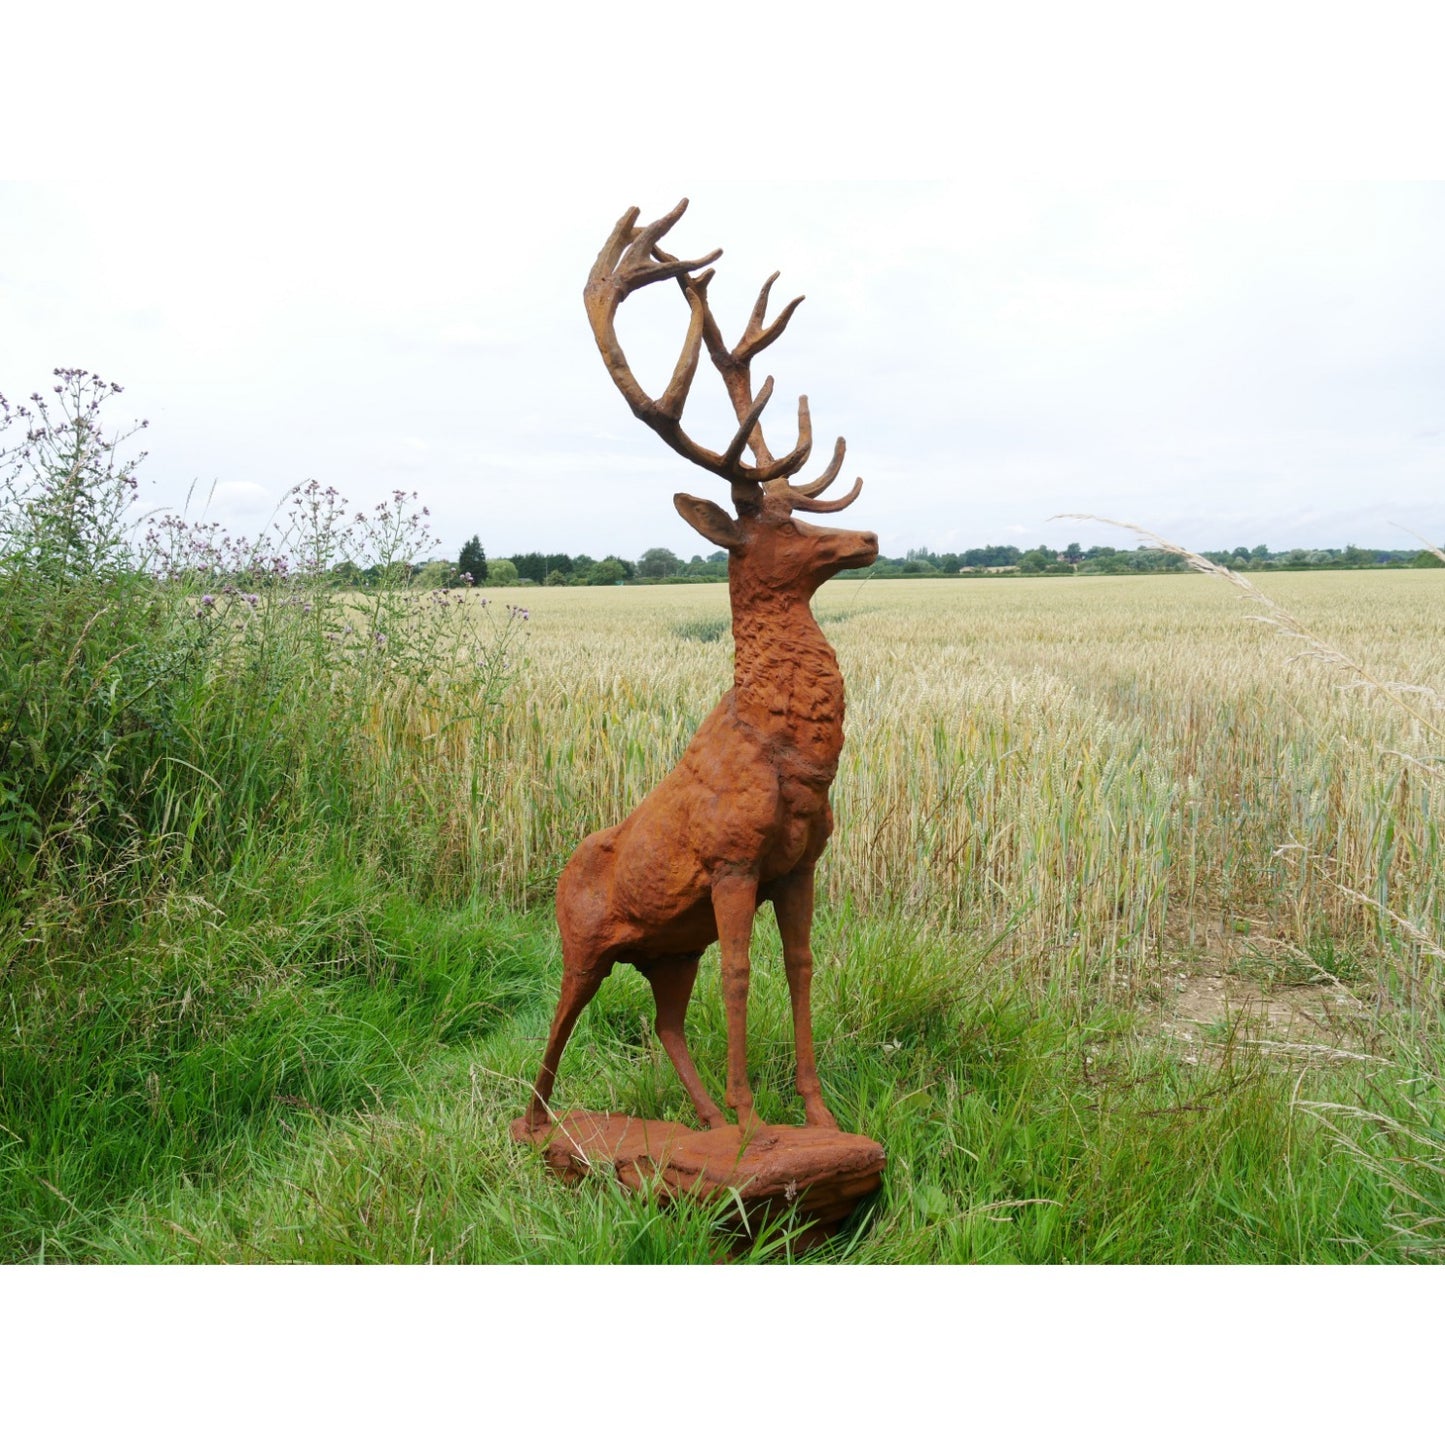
(785, 674)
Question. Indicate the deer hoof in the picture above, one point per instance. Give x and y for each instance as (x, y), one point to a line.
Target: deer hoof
(751, 1124)
(819, 1116)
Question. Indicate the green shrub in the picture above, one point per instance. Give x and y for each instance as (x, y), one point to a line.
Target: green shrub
(166, 699)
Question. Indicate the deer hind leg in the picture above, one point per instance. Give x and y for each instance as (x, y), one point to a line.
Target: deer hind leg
(579, 984)
(793, 904)
(734, 902)
(672, 981)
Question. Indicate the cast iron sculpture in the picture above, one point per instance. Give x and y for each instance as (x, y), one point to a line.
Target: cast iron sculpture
(744, 816)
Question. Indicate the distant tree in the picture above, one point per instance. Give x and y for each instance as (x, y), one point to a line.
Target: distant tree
(395, 574)
(473, 561)
(1154, 559)
(991, 556)
(1073, 554)
(558, 562)
(1427, 559)
(1040, 559)
(1106, 562)
(556, 578)
(714, 567)
(532, 565)
(501, 573)
(659, 562)
(606, 572)
(434, 575)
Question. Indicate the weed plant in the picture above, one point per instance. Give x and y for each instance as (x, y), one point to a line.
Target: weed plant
(194, 730)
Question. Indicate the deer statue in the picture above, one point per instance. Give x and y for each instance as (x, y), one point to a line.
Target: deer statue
(744, 816)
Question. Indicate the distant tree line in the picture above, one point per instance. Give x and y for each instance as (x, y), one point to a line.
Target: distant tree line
(1075, 560)
(558, 569)
(1261, 559)
(659, 565)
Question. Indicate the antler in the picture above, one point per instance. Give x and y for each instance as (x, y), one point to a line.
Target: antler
(632, 258)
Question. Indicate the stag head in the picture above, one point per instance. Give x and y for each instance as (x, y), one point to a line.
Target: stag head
(764, 535)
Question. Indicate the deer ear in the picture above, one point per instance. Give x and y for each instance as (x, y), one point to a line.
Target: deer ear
(709, 519)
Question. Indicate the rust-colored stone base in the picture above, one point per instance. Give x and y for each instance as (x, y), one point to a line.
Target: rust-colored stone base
(826, 1173)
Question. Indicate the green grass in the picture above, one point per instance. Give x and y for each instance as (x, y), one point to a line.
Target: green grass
(308, 1067)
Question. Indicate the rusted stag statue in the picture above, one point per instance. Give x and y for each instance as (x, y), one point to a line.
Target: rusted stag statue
(744, 817)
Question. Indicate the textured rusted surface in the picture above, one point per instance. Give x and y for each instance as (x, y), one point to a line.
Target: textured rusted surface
(821, 1172)
(744, 817)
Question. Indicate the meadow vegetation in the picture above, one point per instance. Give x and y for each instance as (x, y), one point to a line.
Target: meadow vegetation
(1129, 947)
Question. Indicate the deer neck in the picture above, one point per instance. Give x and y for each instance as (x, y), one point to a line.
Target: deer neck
(785, 675)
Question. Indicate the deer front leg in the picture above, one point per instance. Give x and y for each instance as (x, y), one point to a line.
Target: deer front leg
(734, 902)
(793, 904)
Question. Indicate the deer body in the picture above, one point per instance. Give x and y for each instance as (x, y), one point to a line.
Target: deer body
(748, 797)
(744, 816)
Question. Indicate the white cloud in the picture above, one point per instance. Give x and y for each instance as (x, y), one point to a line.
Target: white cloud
(241, 500)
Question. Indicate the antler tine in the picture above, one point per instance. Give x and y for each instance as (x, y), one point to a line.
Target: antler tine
(746, 423)
(622, 236)
(671, 402)
(654, 231)
(811, 504)
(760, 306)
(756, 336)
(670, 269)
(786, 466)
(814, 489)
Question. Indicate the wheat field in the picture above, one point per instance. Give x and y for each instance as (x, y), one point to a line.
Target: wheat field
(1094, 772)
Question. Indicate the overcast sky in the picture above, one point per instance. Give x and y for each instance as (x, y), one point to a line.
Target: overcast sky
(355, 251)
